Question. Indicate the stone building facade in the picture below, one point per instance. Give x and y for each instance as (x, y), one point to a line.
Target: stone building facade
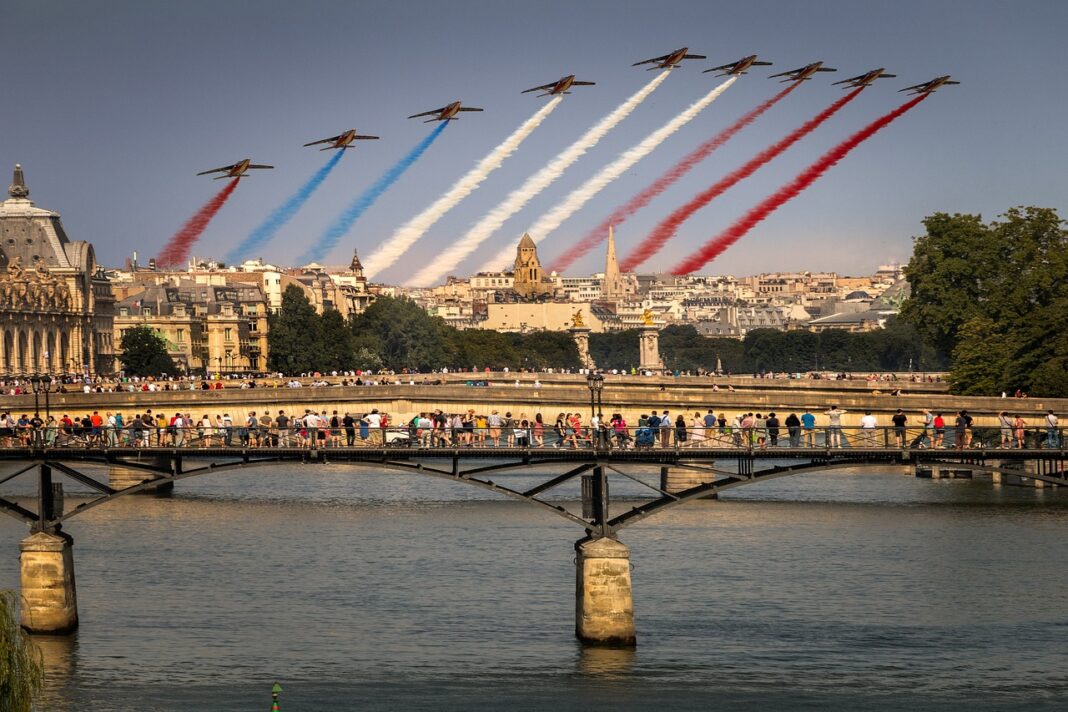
(56, 305)
(208, 328)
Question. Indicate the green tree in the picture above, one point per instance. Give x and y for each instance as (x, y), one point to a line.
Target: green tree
(21, 664)
(403, 335)
(542, 349)
(144, 353)
(615, 349)
(996, 297)
(336, 347)
(293, 334)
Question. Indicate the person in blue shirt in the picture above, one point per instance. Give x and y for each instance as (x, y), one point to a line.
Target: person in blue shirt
(808, 422)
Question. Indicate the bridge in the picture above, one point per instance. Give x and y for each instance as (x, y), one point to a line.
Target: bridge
(604, 604)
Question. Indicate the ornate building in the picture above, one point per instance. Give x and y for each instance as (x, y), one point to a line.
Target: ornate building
(529, 280)
(55, 302)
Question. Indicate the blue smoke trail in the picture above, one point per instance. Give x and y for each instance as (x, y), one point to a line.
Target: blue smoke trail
(283, 214)
(345, 221)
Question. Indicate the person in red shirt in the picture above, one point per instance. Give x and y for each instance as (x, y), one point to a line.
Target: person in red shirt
(939, 430)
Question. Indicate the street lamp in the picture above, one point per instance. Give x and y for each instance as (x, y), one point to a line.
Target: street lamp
(41, 384)
(595, 382)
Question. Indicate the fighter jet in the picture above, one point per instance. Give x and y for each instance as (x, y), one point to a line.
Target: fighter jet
(802, 73)
(670, 61)
(236, 170)
(445, 113)
(928, 87)
(865, 80)
(341, 141)
(560, 86)
(739, 67)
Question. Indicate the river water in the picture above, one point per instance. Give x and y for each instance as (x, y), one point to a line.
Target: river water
(366, 591)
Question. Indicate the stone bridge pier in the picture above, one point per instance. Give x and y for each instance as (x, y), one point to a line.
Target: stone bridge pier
(49, 597)
(604, 602)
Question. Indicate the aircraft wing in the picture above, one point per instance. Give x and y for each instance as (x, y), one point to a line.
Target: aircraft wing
(541, 88)
(785, 74)
(468, 108)
(577, 83)
(649, 61)
(427, 113)
(918, 87)
(364, 138)
(217, 170)
(761, 64)
(826, 69)
(325, 140)
(694, 56)
(731, 65)
(884, 75)
(851, 79)
(259, 165)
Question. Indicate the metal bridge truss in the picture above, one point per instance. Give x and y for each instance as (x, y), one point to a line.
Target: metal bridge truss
(164, 466)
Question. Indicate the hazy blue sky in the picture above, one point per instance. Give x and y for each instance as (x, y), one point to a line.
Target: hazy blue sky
(112, 107)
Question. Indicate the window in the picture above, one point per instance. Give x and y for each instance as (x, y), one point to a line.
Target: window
(229, 334)
(123, 311)
(181, 336)
(146, 311)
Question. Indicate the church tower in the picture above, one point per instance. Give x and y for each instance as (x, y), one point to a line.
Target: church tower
(612, 286)
(527, 274)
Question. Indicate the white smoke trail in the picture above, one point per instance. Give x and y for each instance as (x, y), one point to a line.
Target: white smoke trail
(580, 196)
(406, 235)
(492, 221)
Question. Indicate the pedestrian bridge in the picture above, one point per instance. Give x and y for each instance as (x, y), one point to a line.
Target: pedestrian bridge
(604, 611)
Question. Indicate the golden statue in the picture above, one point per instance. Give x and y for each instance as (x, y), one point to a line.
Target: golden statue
(647, 317)
(576, 320)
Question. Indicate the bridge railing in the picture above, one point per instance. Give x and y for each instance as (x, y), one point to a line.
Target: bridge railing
(532, 435)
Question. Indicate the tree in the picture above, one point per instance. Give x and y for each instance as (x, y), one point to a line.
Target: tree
(293, 335)
(336, 344)
(144, 353)
(403, 335)
(21, 663)
(996, 297)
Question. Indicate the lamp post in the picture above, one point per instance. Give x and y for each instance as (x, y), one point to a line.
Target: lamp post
(595, 382)
(41, 384)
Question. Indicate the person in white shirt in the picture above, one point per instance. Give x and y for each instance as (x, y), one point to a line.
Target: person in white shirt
(374, 423)
(834, 426)
(1053, 433)
(868, 426)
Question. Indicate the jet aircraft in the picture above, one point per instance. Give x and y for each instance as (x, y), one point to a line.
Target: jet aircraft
(341, 141)
(739, 67)
(235, 170)
(560, 86)
(670, 61)
(928, 87)
(866, 79)
(802, 73)
(445, 113)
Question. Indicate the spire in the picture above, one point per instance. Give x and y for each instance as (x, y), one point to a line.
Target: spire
(526, 242)
(356, 267)
(18, 188)
(611, 287)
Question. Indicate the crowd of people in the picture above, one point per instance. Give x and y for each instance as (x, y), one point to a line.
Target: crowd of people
(318, 429)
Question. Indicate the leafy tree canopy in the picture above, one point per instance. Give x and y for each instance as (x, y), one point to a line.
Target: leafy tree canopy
(144, 353)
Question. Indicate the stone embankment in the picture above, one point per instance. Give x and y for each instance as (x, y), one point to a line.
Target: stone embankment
(555, 393)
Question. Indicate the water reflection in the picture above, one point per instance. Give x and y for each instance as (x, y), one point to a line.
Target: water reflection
(60, 654)
(605, 662)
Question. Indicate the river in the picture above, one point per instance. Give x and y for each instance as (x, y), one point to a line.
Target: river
(359, 590)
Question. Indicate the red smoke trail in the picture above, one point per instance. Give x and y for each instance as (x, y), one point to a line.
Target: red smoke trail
(176, 251)
(639, 201)
(670, 225)
(789, 191)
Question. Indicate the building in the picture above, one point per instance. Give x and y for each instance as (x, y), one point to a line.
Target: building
(528, 278)
(55, 301)
(207, 327)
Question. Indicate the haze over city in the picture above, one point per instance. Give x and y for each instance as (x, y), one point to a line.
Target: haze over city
(112, 126)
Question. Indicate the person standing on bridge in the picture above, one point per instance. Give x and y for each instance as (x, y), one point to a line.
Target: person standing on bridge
(808, 424)
(1005, 429)
(834, 426)
(899, 421)
(868, 426)
(1019, 426)
(665, 429)
(773, 429)
(1053, 433)
(793, 429)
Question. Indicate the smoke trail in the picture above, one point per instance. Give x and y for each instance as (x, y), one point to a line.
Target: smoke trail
(595, 236)
(344, 222)
(670, 225)
(538, 182)
(552, 220)
(789, 191)
(176, 251)
(406, 235)
(266, 230)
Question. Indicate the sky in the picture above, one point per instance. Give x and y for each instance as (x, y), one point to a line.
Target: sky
(112, 107)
